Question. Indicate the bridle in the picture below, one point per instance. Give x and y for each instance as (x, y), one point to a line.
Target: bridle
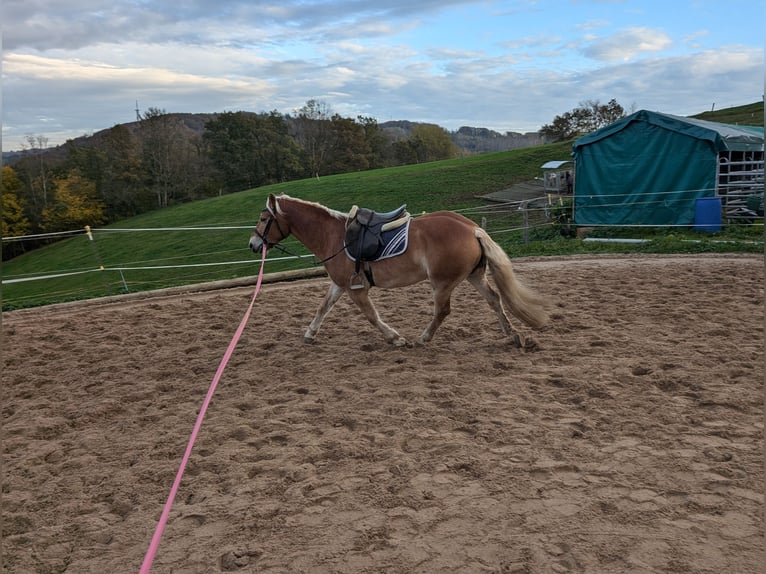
(269, 244)
(272, 220)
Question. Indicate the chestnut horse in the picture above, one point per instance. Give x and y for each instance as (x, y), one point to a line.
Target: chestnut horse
(444, 247)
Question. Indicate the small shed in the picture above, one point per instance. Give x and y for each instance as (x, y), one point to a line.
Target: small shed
(558, 176)
(651, 168)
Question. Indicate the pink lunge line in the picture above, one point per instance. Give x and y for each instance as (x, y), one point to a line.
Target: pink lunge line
(146, 566)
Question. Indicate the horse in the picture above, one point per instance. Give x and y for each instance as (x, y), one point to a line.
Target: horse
(443, 247)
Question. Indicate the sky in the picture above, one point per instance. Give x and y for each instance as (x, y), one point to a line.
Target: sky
(75, 67)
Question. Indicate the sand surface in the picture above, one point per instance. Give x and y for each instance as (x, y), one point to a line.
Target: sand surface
(630, 441)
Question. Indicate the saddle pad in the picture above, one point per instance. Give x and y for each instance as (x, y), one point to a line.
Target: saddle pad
(394, 242)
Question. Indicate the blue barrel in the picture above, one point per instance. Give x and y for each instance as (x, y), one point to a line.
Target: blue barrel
(707, 214)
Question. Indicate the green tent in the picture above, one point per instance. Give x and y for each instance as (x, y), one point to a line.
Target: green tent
(650, 168)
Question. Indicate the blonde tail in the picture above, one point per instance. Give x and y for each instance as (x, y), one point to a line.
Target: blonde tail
(525, 304)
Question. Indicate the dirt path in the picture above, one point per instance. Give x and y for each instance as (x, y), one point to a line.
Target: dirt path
(631, 441)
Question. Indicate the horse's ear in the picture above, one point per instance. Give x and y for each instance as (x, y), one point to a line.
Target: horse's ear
(271, 203)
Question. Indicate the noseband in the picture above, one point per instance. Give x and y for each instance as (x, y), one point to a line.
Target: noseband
(264, 235)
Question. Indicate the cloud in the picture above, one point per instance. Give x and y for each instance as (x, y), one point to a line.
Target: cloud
(499, 65)
(681, 85)
(591, 25)
(692, 39)
(395, 84)
(46, 24)
(626, 44)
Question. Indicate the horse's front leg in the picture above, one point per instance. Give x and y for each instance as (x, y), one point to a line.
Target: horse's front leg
(333, 294)
(362, 300)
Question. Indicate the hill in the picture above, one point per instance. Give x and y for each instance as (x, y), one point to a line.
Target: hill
(471, 139)
(467, 139)
(747, 115)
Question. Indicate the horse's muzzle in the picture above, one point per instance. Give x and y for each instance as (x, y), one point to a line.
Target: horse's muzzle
(256, 244)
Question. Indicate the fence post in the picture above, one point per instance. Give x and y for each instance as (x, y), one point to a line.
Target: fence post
(89, 233)
(525, 213)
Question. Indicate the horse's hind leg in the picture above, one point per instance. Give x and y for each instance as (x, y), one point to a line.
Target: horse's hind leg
(362, 300)
(479, 280)
(333, 294)
(442, 308)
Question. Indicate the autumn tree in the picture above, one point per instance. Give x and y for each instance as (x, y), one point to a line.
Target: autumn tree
(34, 172)
(75, 204)
(115, 166)
(426, 142)
(14, 222)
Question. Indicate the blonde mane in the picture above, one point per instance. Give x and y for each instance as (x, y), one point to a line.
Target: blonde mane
(332, 212)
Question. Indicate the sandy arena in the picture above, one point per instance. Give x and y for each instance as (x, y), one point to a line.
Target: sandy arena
(631, 440)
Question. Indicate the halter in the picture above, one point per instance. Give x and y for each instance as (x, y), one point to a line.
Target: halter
(272, 219)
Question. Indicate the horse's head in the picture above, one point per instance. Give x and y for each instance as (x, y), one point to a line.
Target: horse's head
(272, 226)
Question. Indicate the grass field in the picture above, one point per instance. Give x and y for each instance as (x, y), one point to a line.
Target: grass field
(749, 115)
(150, 251)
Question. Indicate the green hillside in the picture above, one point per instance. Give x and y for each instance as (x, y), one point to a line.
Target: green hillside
(748, 115)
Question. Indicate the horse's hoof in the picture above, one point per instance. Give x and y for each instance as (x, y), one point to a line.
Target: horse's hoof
(309, 340)
(531, 345)
(400, 342)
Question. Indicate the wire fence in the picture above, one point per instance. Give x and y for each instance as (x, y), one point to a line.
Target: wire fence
(106, 260)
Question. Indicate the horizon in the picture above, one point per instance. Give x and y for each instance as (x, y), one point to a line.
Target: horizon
(25, 149)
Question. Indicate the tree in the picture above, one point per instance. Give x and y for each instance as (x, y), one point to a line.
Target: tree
(14, 221)
(161, 148)
(75, 204)
(281, 152)
(351, 150)
(249, 149)
(114, 165)
(378, 143)
(426, 142)
(436, 142)
(121, 185)
(313, 132)
(34, 173)
(38, 144)
(590, 115)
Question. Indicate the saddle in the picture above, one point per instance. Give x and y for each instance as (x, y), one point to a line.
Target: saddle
(366, 238)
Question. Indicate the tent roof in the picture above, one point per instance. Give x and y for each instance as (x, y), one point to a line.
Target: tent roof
(722, 136)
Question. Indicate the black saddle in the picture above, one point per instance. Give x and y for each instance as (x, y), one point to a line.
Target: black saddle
(364, 229)
(370, 218)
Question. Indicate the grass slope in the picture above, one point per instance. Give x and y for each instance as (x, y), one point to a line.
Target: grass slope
(748, 115)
